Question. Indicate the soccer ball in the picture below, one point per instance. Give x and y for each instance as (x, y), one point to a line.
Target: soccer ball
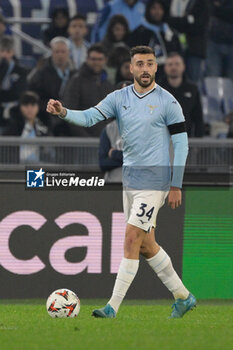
(63, 303)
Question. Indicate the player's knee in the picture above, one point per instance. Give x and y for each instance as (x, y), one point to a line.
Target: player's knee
(143, 250)
(133, 238)
(146, 251)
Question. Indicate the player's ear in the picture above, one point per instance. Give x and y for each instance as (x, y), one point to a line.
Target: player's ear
(131, 68)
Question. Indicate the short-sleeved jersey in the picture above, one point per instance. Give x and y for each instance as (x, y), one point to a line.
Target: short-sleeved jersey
(144, 122)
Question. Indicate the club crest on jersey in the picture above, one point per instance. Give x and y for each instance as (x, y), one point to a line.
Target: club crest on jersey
(152, 108)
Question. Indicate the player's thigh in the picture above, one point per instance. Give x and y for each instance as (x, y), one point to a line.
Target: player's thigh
(145, 207)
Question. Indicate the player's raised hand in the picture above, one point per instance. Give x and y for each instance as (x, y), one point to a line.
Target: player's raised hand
(174, 197)
(54, 107)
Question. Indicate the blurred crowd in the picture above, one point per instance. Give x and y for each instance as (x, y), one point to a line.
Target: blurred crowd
(192, 40)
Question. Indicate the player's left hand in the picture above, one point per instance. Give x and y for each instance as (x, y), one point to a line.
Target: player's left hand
(174, 197)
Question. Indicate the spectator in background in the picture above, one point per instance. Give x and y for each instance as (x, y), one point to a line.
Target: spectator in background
(133, 10)
(228, 119)
(115, 42)
(58, 26)
(123, 72)
(190, 18)
(117, 33)
(110, 151)
(78, 45)
(156, 33)
(88, 87)
(118, 54)
(25, 123)
(12, 79)
(24, 119)
(2, 26)
(52, 77)
(185, 92)
(220, 44)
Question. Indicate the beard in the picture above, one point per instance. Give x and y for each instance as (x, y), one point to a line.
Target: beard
(145, 84)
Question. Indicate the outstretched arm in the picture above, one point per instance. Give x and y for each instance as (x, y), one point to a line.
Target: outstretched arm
(86, 118)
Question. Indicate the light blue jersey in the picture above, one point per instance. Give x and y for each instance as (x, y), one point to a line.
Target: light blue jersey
(145, 123)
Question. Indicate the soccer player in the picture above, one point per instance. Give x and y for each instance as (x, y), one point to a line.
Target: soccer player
(147, 116)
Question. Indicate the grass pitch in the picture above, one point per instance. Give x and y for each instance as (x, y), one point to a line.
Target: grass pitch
(25, 325)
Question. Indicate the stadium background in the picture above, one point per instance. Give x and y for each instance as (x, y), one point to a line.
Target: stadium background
(200, 245)
(42, 9)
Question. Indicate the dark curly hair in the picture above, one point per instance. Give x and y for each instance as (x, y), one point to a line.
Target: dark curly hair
(115, 20)
(59, 10)
(150, 4)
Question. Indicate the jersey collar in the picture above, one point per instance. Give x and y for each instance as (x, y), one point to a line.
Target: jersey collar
(146, 93)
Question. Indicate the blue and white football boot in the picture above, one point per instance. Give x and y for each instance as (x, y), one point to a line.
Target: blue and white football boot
(180, 307)
(105, 312)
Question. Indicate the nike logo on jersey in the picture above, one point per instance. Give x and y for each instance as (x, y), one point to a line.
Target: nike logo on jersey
(143, 222)
(126, 107)
(174, 102)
